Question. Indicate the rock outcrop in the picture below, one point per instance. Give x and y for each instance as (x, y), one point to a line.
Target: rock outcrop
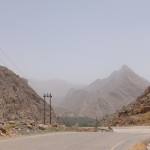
(18, 101)
(137, 113)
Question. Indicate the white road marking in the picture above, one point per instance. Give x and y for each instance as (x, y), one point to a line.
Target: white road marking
(114, 147)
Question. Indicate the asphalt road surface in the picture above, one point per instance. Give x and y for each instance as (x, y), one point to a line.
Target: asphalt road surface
(121, 139)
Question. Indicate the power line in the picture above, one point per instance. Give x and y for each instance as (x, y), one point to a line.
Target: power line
(3, 62)
(21, 79)
(12, 62)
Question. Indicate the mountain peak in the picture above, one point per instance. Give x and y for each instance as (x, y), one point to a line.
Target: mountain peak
(125, 70)
(107, 95)
(125, 67)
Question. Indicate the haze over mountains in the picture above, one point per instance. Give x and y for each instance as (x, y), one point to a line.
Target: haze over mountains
(105, 96)
(102, 97)
(58, 88)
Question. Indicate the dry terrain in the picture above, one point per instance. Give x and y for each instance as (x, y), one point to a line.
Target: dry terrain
(137, 113)
(139, 146)
(18, 101)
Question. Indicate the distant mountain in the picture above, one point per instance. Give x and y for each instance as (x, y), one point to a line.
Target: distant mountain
(18, 101)
(136, 113)
(105, 96)
(58, 88)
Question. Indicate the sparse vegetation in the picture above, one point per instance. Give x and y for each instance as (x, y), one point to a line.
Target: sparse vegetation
(77, 121)
(139, 146)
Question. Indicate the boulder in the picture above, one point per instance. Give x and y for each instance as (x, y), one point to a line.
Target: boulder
(56, 125)
(12, 122)
(2, 129)
(29, 126)
(1, 133)
(42, 127)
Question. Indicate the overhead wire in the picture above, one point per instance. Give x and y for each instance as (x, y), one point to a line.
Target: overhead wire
(3, 62)
(13, 63)
(17, 69)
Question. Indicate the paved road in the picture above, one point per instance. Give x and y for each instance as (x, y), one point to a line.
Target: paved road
(118, 140)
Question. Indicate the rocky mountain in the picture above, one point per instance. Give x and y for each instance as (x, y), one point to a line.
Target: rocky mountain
(18, 101)
(105, 96)
(137, 113)
(58, 88)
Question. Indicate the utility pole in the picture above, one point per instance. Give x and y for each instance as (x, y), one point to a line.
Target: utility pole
(50, 109)
(44, 108)
(96, 124)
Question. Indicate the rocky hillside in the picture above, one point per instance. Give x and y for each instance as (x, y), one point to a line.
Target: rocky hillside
(105, 96)
(18, 101)
(137, 113)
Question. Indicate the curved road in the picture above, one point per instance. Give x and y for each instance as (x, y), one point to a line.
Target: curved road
(119, 140)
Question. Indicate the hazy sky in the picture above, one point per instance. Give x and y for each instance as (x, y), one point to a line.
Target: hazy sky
(75, 40)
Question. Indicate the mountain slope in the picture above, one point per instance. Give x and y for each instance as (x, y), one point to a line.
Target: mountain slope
(106, 96)
(137, 113)
(19, 101)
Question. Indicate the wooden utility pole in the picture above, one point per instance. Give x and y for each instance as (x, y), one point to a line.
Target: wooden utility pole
(50, 109)
(44, 108)
(96, 124)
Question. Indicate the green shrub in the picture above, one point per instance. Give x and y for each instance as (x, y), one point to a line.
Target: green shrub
(79, 121)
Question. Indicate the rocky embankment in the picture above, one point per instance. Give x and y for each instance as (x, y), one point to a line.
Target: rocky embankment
(137, 113)
(29, 127)
(25, 127)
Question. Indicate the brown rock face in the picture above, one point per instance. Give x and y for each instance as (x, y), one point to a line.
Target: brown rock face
(138, 113)
(18, 101)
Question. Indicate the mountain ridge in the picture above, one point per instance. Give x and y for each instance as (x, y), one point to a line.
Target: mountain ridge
(105, 96)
